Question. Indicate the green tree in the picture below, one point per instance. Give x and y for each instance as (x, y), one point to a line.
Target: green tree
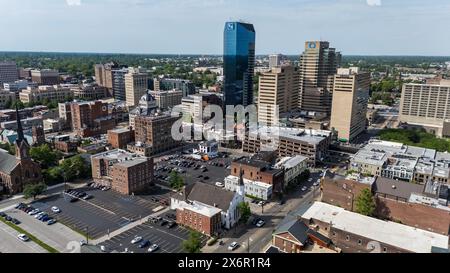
(193, 244)
(8, 147)
(244, 211)
(75, 167)
(365, 203)
(17, 103)
(175, 180)
(53, 175)
(33, 190)
(44, 155)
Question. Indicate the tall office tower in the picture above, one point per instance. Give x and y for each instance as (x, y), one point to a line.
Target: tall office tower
(104, 75)
(136, 85)
(238, 63)
(427, 106)
(275, 60)
(118, 83)
(8, 72)
(318, 64)
(278, 87)
(349, 107)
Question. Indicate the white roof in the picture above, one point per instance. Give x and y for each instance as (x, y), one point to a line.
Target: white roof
(199, 208)
(290, 162)
(398, 235)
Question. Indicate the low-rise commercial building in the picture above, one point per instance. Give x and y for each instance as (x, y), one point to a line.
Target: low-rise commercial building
(119, 138)
(57, 93)
(289, 142)
(89, 92)
(352, 232)
(45, 76)
(166, 100)
(293, 167)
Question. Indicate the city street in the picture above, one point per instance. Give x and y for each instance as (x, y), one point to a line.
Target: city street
(11, 244)
(273, 214)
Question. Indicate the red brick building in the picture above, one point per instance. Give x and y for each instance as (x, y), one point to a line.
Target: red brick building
(91, 118)
(19, 170)
(260, 171)
(124, 172)
(119, 138)
(205, 223)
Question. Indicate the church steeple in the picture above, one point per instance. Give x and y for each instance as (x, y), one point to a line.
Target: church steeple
(22, 146)
(20, 136)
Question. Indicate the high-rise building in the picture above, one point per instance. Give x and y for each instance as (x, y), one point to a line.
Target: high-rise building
(104, 75)
(275, 60)
(427, 106)
(45, 76)
(118, 83)
(167, 99)
(136, 85)
(8, 72)
(239, 63)
(349, 107)
(278, 87)
(318, 64)
(186, 86)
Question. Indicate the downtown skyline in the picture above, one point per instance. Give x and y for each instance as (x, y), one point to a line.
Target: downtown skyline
(374, 27)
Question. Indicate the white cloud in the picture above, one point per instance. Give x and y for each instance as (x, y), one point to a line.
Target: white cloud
(373, 3)
(73, 2)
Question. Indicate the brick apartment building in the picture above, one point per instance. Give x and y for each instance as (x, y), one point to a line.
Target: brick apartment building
(124, 172)
(91, 118)
(119, 138)
(153, 134)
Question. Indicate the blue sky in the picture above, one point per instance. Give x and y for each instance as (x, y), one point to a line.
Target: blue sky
(368, 27)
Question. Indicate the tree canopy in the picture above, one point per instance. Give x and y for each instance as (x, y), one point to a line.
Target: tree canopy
(418, 138)
(193, 244)
(44, 155)
(365, 203)
(175, 180)
(244, 211)
(33, 190)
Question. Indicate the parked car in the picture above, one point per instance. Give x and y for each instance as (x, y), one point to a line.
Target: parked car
(171, 224)
(15, 221)
(163, 222)
(144, 243)
(2, 214)
(51, 221)
(233, 246)
(8, 218)
(153, 248)
(23, 237)
(136, 240)
(33, 212)
(56, 209)
(255, 221)
(304, 188)
(87, 197)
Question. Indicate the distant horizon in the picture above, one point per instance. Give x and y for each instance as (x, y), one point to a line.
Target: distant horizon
(353, 27)
(201, 54)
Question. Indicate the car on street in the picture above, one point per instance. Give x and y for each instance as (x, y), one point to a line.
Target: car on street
(233, 246)
(136, 240)
(56, 210)
(82, 242)
(255, 221)
(260, 223)
(23, 237)
(51, 221)
(144, 244)
(153, 248)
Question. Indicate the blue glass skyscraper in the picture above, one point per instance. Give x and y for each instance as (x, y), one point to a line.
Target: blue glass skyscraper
(239, 63)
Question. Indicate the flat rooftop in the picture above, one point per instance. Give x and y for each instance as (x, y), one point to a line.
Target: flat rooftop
(295, 134)
(117, 154)
(398, 235)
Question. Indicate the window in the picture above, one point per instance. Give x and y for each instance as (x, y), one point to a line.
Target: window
(334, 233)
(384, 249)
(359, 242)
(347, 238)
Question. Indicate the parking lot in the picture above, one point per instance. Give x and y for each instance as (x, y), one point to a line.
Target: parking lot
(168, 239)
(193, 170)
(105, 212)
